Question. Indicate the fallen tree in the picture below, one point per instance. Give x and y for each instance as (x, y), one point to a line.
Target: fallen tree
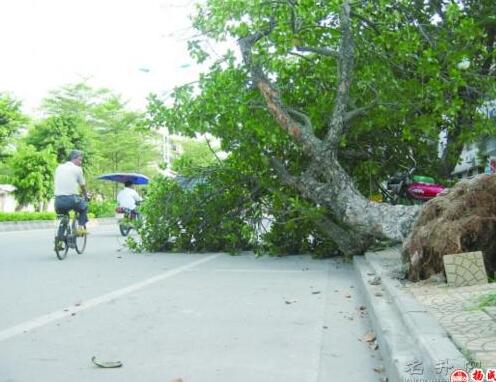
(326, 118)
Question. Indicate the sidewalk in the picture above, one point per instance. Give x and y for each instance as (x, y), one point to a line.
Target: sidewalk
(472, 330)
(47, 224)
(425, 330)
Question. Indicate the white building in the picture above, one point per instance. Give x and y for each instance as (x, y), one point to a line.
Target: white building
(469, 163)
(7, 200)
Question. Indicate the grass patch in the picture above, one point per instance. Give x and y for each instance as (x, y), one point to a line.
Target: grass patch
(485, 301)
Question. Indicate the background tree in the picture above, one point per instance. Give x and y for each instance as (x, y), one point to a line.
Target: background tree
(77, 99)
(97, 122)
(196, 153)
(11, 121)
(329, 98)
(68, 123)
(63, 133)
(32, 175)
(124, 143)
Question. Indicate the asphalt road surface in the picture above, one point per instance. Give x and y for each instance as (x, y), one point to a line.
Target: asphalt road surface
(198, 317)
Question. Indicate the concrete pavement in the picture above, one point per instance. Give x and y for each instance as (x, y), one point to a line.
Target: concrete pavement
(424, 330)
(199, 317)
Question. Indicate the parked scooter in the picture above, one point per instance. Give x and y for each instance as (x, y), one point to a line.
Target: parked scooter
(411, 189)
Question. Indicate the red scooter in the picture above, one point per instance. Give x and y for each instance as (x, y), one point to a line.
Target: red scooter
(404, 187)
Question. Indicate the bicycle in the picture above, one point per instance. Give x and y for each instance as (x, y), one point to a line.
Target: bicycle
(67, 235)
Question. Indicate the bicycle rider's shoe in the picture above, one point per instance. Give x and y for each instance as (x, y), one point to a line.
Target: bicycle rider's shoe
(81, 231)
(59, 245)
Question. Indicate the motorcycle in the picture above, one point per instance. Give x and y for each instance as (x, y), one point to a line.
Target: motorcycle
(411, 189)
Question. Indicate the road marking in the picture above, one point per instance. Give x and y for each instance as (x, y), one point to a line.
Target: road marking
(72, 310)
(241, 270)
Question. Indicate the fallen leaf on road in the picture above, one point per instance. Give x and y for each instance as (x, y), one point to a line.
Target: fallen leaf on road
(106, 364)
(368, 337)
(290, 302)
(375, 281)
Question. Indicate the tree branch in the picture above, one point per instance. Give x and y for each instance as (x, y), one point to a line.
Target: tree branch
(303, 134)
(366, 21)
(357, 112)
(212, 150)
(321, 51)
(301, 56)
(305, 119)
(345, 69)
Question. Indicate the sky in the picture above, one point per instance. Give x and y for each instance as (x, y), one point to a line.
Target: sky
(132, 47)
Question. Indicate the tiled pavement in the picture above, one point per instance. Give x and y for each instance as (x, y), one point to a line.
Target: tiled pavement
(472, 329)
(414, 345)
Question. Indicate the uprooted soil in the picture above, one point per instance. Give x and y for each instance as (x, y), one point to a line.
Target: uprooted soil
(461, 219)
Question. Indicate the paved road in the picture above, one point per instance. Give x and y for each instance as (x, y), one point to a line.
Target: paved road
(199, 317)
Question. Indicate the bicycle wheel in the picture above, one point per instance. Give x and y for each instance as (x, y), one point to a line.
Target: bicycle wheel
(60, 242)
(79, 239)
(124, 228)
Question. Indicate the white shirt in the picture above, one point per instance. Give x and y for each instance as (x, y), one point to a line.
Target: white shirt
(68, 179)
(127, 198)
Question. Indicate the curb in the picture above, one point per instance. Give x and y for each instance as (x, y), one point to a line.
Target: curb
(47, 224)
(413, 344)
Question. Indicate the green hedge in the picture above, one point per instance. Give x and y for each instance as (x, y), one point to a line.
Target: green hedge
(103, 209)
(95, 209)
(26, 216)
(23, 216)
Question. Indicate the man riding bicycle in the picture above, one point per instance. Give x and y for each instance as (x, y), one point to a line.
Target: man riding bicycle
(69, 179)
